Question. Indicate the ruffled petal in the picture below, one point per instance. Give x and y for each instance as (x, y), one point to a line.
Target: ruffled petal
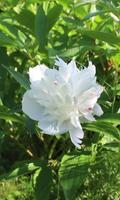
(97, 110)
(67, 71)
(30, 107)
(89, 117)
(72, 68)
(76, 134)
(53, 127)
(88, 99)
(37, 72)
(91, 68)
(60, 63)
(84, 80)
(48, 127)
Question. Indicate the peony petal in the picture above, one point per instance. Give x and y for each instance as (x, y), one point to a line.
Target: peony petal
(89, 117)
(37, 72)
(72, 67)
(60, 63)
(84, 80)
(75, 121)
(30, 107)
(88, 72)
(67, 71)
(76, 134)
(92, 69)
(53, 127)
(89, 98)
(97, 110)
(48, 127)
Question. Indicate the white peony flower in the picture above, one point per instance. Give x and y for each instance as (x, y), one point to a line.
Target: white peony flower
(61, 99)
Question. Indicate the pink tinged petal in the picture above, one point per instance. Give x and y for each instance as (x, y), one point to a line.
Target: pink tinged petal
(76, 134)
(89, 98)
(87, 103)
(97, 110)
(37, 73)
(30, 107)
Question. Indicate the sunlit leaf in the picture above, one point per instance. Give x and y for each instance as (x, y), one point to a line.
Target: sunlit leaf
(73, 172)
(102, 36)
(25, 167)
(103, 127)
(53, 16)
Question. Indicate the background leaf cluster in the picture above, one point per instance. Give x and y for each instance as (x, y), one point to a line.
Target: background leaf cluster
(37, 166)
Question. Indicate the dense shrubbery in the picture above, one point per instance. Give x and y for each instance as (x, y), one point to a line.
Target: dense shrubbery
(37, 166)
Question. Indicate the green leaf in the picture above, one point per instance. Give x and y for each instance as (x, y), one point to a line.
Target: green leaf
(3, 72)
(11, 117)
(112, 146)
(53, 15)
(42, 181)
(111, 118)
(73, 172)
(5, 40)
(70, 52)
(26, 18)
(44, 22)
(24, 167)
(102, 36)
(18, 77)
(12, 33)
(104, 127)
(8, 115)
(41, 27)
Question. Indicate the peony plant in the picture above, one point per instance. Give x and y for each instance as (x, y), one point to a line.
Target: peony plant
(61, 99)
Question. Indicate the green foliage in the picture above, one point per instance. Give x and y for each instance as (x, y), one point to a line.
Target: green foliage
(23, 168)
(41, 27)
(42, 182)
(73, 172)
(18, 77)
(43, 167)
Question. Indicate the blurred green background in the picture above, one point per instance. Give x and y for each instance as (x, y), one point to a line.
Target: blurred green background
(36, 166)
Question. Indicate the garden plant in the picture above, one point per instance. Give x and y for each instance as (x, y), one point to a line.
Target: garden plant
(59, 100)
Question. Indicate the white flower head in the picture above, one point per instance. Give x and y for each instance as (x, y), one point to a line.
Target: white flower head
(61, 99)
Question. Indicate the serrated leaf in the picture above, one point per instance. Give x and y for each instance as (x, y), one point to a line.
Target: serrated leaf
(73, 172)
